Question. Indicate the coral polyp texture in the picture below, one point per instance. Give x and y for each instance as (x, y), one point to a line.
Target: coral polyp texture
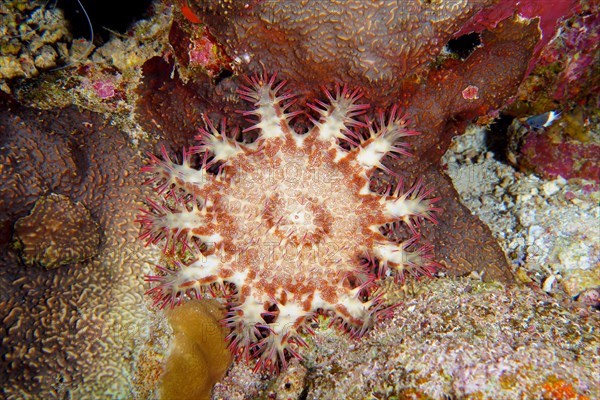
(287, 227)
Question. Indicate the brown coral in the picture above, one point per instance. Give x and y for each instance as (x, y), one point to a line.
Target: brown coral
(63, 327)
(57, 232)
(357, 41)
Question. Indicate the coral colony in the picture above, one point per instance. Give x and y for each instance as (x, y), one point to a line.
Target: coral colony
(287, 227)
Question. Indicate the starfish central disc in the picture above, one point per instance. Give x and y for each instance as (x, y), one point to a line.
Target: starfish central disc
(298, 218)
(291, 207)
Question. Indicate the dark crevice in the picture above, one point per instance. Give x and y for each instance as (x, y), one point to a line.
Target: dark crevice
(463, 46)
(223, 74)
(304, 394)
(496, 138)
(105, 16)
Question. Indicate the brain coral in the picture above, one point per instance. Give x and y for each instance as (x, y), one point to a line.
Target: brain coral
(57, 232)
(366, 41)
(288, 226)
(69, 332)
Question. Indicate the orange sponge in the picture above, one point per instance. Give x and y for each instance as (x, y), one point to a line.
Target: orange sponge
(199, 357)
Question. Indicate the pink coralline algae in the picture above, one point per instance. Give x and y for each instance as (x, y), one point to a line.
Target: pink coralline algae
(286, 226)
(566, 159)
(575, 51)
(547, 14)
(471, 92)
(104, 89)
(201, 52)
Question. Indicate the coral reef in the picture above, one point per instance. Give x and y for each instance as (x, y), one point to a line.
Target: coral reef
(85, 330)
(310, 40)
(552, 153)
(69, 331)
(56, 232)
(567, 71)
(547, 228)
(566, 81)
(452, 338)
(377, 44)
(105, 80)
(73, 331)
(291, 224)
(33, 37)
(196, 51)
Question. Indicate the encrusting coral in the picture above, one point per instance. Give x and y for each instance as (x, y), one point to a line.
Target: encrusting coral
(353, 38)
(288, 226)
(376, 44)
(57, 232)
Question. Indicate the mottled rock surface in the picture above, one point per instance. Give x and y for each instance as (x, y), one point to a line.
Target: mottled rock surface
(453, 338)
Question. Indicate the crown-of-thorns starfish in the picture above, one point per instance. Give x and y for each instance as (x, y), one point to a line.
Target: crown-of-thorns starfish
(287, 227)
